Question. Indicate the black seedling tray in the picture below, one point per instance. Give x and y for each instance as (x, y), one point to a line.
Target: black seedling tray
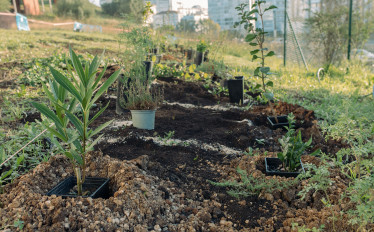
(272, 165)
(282, 122)
(100, 186)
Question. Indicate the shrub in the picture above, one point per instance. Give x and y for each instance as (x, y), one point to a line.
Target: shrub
(4, 5)
(78, 9)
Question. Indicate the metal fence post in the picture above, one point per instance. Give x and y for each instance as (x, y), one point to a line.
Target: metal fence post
(285, 33)
(350, 30)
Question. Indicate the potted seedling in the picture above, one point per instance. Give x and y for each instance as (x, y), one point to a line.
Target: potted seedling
(289, 163)
(256, 38)
(200, 49)
(142, 102)
(72, 98)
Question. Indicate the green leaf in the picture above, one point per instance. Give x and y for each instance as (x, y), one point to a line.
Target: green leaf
(253, 44)
(106, 85)
(77, 66)
(270, 8)
(66, 83)
(89, 148)
(255, 51)
(76, 122)
(255, 57)
(19, 160)
(100, 128)
(257, 71)
(99, 77)
(270, 83)
(73, 155)
(5, 175)
(271, 53)
(253, 11)
(250, 37)
(57, 134)
(264, 70)
(47, 112)
(98, 114)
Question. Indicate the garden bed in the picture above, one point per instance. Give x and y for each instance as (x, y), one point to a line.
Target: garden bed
(159, 178)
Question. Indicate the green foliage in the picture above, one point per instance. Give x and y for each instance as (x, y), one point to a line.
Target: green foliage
(140, 97)
(37, 71)
(362, 193)
(296, 227)
(4, 5)
(186, 26)
(319, 179)
(132, 9)
(292, 147)
(249, 185)
(208, 26)
(202, 46)
(256, 37)
(38, 151)
(328, 29)
(84, 90)
(78, 9)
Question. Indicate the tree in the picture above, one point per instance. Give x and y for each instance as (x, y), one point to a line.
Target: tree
(328, 29)
(208, 26)
(186, 25)
(131, 8)
(4, 5)
(78, 9)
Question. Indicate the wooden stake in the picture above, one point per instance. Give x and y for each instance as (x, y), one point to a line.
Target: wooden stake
(15, 6)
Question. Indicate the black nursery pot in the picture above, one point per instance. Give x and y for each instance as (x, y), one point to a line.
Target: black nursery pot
(99, 187)
(189, 54)
(272, 166)
(206, 53)
(282, 122)
(148, 68)
(199, 58)
(236, 90)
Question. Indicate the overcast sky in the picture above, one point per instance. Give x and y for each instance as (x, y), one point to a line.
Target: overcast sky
(186, 3)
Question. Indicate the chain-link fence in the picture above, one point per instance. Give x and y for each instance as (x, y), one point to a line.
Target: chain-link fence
(315, 33)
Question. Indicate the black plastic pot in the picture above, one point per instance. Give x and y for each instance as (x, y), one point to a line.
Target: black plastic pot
(154, 51)
(282, 122)
(206, 53)
(273, 165)
(236, 90)
(148, 68)
(99, 187)
(199, 58)
(189, 54)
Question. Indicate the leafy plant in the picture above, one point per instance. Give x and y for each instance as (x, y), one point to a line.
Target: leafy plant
(292, 147)
(84, 91)
(249, 185)
(202, 46)
(362, 193)
(256, 36)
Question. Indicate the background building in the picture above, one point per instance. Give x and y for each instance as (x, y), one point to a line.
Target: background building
(224, 13)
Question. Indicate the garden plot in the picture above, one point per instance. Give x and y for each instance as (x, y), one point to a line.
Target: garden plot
(160, 178)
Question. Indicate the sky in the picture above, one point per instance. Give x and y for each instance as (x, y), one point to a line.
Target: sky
(186, 3)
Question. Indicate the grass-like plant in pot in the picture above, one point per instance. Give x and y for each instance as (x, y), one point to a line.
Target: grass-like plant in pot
(72, 98)
(289, 162)
(141, 101)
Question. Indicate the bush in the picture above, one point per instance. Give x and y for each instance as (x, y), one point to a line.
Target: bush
(4, 5)
(78, 9)
(131, 8)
